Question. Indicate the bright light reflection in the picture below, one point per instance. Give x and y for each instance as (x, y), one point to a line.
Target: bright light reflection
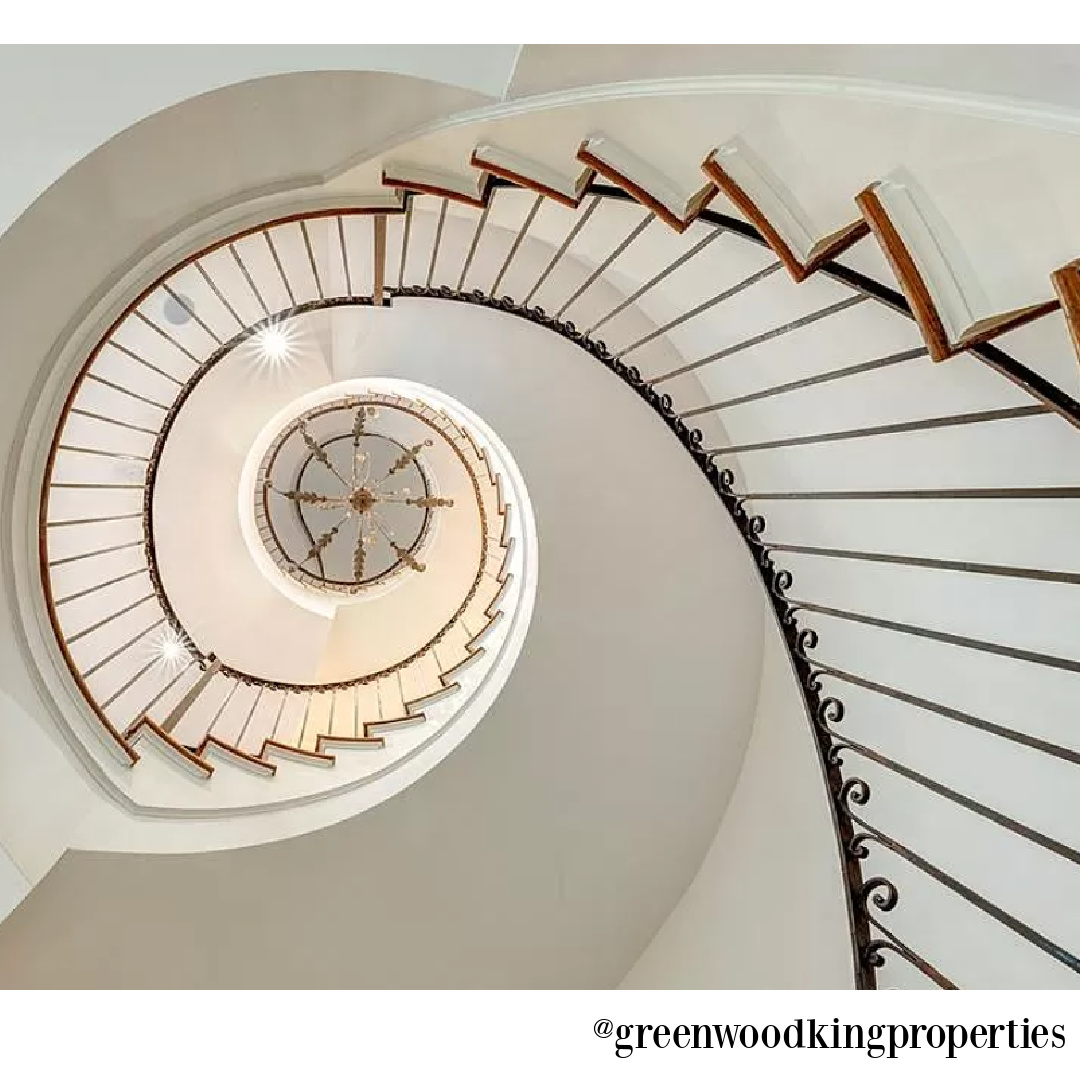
(275, 344)
(171, 650)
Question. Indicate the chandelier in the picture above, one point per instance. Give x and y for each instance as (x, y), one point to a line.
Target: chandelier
(359, 497)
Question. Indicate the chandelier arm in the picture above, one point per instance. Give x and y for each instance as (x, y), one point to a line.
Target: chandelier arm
(325, 539)
(312, 498)
(357, 432)
(319, 453)
(408, 457)
(403, 554)
(359, 554)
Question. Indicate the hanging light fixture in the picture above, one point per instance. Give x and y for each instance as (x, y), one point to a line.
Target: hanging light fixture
(366, 494)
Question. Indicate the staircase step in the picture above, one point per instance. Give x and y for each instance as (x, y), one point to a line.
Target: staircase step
(295, 754)
(404, 720)
(349, 742)
(533, 175)
(212, 746)
(430, 699)
(145, 728)
(471, 656)
(644, 183)
(473, 190)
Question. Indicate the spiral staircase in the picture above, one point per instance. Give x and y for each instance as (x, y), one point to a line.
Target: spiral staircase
(897, 480)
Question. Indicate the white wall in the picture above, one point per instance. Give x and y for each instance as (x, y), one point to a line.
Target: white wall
(84, 96)
(766, 909)
(13, 886)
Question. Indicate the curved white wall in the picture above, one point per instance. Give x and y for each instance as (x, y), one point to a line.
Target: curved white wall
(766, 909)
(84, 96)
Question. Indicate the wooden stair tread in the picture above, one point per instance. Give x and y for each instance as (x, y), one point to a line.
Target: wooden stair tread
(1066, 282)
(530, 175)
(995, 325)
(828, 247)
(403, 720)
(694, 205)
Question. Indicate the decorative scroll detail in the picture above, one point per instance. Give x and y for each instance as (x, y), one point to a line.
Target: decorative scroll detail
(879, 891)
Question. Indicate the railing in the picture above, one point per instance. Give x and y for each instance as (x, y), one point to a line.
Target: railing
(923, 515)
(913, 731)
(141, 670)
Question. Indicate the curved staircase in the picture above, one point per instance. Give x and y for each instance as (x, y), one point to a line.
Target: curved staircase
(148, 677)
(922, 513)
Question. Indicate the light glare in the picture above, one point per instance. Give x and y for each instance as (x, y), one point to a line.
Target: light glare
(170, 650)
(273, 344)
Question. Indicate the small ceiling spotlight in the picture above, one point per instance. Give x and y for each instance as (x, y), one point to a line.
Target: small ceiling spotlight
(178, 308)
